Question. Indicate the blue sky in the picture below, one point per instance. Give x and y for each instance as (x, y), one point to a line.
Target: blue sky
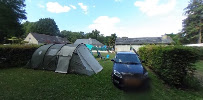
(131, 18)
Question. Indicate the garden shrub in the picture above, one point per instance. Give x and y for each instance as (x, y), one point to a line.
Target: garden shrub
(199, 51)
(172, 63)
(15, 55)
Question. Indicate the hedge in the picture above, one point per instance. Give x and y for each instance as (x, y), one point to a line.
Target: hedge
(15, 55)
(173, 64)
(199, 51)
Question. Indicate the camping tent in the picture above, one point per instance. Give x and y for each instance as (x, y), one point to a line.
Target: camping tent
(65, 58)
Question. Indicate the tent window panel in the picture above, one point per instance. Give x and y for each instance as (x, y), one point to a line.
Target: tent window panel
(52, 52)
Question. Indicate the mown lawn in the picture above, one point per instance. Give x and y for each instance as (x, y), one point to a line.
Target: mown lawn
(199, 71)
(200, 66)
(21, 83)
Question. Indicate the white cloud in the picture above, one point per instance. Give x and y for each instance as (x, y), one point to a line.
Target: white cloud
(83, 7)
(55, 7)
(41, 6)
(106, 25)
(72, 6)
(153, 7)
(149, 28)
(94, 6)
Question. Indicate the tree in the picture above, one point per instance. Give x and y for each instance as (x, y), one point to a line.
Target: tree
(192, 25)
(72, 36)
(101, 38)
(175, 37)
(27, 27)
(112, 40)
(45, 26)
(12, 12)
(95, 33)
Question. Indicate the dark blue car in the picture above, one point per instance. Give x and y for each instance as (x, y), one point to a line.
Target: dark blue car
(128, 71)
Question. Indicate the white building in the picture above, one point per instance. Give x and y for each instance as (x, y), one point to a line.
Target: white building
(125, 43)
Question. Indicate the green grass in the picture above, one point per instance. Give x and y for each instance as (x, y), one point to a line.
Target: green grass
(200, 66)
(21, 83)
(199, 71)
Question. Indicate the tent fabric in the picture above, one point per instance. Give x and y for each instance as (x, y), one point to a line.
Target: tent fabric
(38, 56)
(65, 58)
(50, 59)
(63, 64)
(83, 52)
(76, 66)
(65, 55)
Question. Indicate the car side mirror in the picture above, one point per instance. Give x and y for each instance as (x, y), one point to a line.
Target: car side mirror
(112, 60)
(143, 61)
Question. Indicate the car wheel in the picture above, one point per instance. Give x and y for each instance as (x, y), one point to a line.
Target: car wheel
(147, 85)
(116, 85)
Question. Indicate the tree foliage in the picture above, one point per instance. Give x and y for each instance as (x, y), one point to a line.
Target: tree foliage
(72, 36)
(176, 37)
(27, 27)
(193, 25)
(43, 26)
(12, 12)
(95, 34)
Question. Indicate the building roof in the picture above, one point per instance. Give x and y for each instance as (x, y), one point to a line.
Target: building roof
(42, 38)
(89, 41)
(145, 40)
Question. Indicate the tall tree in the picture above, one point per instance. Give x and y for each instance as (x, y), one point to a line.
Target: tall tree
(95, 34)
(27, 27)
(45, 26)
(175, 37)
(193, 24)
(72, 36)
(12, 12)
(112, 40)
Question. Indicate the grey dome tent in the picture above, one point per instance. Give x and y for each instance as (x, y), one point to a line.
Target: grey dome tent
(65, 58)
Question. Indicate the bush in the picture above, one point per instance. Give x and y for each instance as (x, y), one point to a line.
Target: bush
(172, 63)
(15, 55)
(199, 51)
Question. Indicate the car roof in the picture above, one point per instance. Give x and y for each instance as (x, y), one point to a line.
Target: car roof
(125, 53)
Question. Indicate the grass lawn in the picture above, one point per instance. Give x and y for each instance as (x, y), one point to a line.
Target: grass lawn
(200, 66)
(199, 72)
(21, 83)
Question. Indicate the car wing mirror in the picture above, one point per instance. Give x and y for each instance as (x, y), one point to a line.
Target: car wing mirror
(143, 61)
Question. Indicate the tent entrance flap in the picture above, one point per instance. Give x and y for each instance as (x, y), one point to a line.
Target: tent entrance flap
(64, 56)
(63, 64)
(50, 58)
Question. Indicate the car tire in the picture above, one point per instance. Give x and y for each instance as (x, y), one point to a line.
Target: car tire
(116, 85)
(147, 85)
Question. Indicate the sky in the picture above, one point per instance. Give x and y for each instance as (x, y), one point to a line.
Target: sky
(126, 18)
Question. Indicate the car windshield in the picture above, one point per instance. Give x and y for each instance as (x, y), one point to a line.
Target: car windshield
(127, 58)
